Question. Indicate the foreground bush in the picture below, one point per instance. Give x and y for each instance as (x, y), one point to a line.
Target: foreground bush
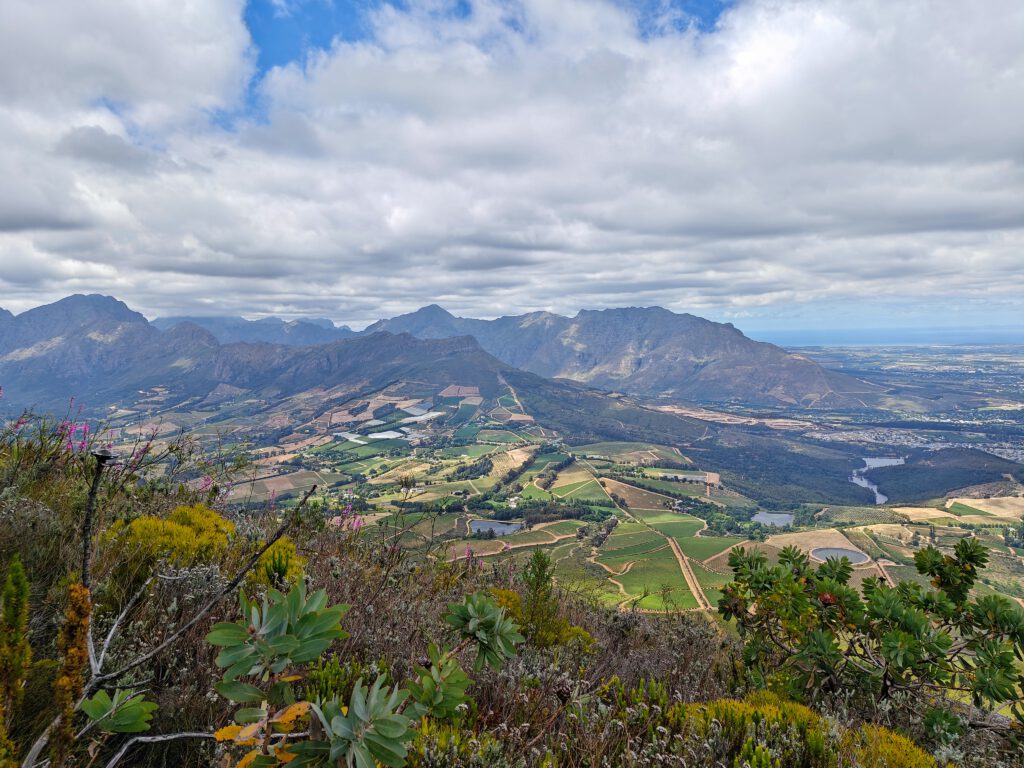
(808, 632)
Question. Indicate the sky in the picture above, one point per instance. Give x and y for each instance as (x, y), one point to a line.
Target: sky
(779, 164)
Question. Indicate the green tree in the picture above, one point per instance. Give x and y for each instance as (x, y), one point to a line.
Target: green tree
(540, 607)
(816, 633)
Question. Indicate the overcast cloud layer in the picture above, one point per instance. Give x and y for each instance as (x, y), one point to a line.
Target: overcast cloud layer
(541, 154)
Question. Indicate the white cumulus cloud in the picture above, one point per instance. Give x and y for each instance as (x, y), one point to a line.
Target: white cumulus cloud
(529, 154)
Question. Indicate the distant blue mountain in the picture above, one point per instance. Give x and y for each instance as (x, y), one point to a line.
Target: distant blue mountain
(302, 332)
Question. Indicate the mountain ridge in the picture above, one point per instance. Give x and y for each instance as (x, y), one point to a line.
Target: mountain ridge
(642, 351)
(105, 355)
(228, 329)
(646, 351)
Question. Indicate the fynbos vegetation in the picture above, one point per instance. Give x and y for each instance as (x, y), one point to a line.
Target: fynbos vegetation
(211, 635)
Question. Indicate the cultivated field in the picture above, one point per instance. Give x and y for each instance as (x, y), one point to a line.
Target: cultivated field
(1004, 506)
(630, 453)
(570, 476)
(636, 498)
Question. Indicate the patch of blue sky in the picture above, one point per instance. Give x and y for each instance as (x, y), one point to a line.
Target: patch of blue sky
(284, 31)
(659, 17)
(287, 31)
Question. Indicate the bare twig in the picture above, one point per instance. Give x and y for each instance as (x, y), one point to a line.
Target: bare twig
(117, 622)
(31, 759)
(152, 740)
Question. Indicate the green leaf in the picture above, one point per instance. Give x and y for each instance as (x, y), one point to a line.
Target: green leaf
(124, 713)
(248, 715)
(98, 706)
(227, 633)
(240, 692)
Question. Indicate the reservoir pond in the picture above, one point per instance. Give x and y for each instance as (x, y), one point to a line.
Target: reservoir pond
(499, 528)
(824, 553)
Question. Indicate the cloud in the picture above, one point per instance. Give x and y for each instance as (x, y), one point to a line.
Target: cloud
(93, 144)
(529, 154)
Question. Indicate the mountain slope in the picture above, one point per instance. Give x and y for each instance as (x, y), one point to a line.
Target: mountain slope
(102, 353)
(270, 330)
(73, 346)
(645, 351)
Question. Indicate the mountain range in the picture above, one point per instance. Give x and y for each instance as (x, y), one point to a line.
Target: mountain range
(649, 352)
(100, 351)
(270, 330)
(95, 347)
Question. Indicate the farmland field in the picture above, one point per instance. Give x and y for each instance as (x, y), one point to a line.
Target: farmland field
(703, 547)
(563, 527)
(564, 490)
(533, 492)
(655, 571)
(710, 582)
(472, 451)
(498, 436)
(669, 486)
(572, 475)
(958, 508)
(1002, 506)
(636, 498)
(642, 552)
(810, 540)
(720, 562)
(588, 492)
(640, 453)
(467, 431)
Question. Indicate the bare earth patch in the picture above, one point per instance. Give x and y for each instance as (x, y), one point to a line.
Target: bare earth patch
(809, 540)
(637, 498)
(920, 514)
(720, 562)
(574, 474)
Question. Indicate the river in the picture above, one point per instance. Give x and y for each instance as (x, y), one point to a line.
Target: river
(859, 476)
